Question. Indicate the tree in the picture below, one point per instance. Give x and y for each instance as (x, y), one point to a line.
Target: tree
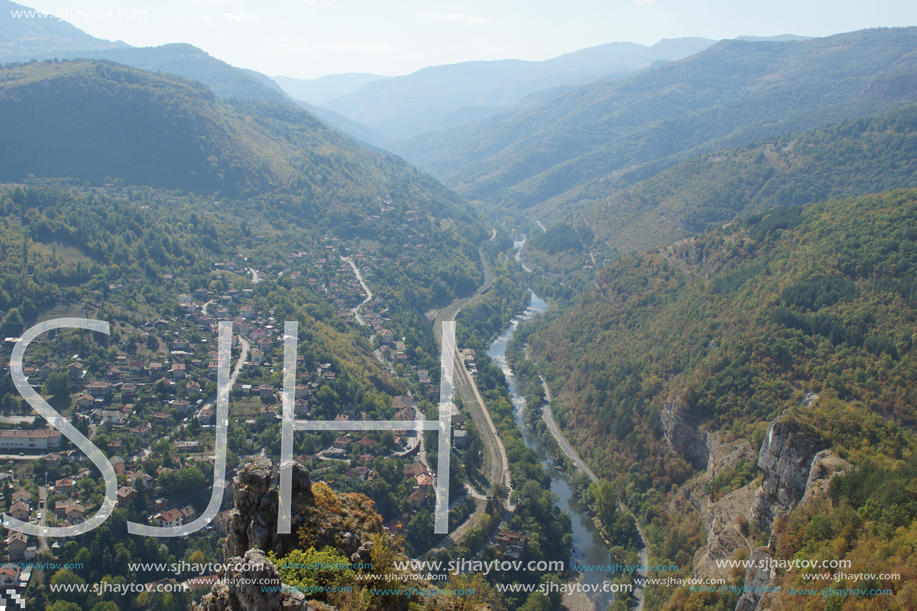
(58, 385)
(606, 502)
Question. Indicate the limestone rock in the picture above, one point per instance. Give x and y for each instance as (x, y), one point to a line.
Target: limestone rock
(785, 460)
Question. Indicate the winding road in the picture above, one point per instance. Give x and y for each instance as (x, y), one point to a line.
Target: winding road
(573, 455)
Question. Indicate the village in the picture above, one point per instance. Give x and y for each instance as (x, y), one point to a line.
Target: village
(151, 409)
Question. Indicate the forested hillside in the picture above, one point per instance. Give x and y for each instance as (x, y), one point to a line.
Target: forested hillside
(856, 157)
(734, 328)
(596, 139)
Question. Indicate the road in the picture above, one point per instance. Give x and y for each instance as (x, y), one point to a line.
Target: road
(471, 397)
(43, 508)
(369, 293)
(582, 466)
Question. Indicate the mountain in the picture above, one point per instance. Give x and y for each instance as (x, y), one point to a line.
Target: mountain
(855, 157)
(24, 36)
(25, 32)
(393, 105)
(321, 90)
(164, 131)
(587, 143)
(719, 381)
(57, 39)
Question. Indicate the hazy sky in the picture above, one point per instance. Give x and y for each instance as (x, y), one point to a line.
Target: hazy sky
(311, 38)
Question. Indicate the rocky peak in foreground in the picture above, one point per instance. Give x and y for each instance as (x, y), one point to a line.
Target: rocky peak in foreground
(318, 520)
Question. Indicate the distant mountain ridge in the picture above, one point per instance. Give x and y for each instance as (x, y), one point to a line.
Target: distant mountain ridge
(323, 89)
(388, 105)
(589, 142)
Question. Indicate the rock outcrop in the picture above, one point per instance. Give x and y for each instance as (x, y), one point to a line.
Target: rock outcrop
(789, 459)
(682, 431)
(756, 580)
(785, 460)
(723, 517)
(235, 590)
(320, 518)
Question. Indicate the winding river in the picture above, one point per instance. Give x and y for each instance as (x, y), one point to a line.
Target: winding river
(589, 548)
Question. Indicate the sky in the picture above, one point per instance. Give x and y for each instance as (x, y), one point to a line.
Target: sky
(312, 38)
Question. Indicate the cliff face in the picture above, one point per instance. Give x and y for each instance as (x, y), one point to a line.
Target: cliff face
(795, 469)
(785, 460)
(682, 431)
(318, 519)
(722, 518)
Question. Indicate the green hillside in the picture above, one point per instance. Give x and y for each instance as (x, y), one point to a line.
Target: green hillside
(92, 120)
(737, 325)
(855, 157)
(587, 143)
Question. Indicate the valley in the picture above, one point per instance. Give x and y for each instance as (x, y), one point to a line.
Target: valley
(722, 385)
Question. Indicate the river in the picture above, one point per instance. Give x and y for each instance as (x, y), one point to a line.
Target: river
(589, 548)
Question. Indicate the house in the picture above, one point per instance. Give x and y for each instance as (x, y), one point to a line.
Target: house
(417, 498)
(193, 389)
(141, 430)
(187, 446)
(112, 417)
(181, 405)
(114, 446)
(173, 517)
(64, 486)
(17, 543)
(126, 495)
(188, 514)
(69, 510)
(403, 402)
(98, 390)
(342, 442)
(178, 371)
(117, 463)
(220, 521)
(511, 543)
(460, 438)
(22, 496)
(85, 401)
(47, 369)
(161, 418)
(128, 392)
(20, 511)
(9, 576)
(148, 482)
(75, 371)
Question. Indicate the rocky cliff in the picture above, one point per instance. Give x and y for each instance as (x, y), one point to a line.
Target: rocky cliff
(785, 461)
(318, 520)
(683, 433)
